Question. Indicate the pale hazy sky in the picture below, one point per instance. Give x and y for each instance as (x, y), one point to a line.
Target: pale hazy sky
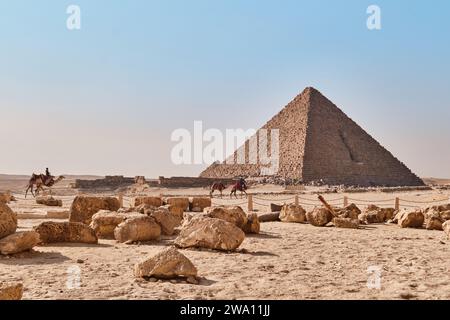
(105, 99)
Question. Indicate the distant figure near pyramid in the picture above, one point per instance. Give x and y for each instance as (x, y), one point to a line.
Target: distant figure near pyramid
(318, 142)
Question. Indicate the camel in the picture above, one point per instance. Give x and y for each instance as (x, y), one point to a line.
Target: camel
(241, 185)
(41, 181)
(217, 186)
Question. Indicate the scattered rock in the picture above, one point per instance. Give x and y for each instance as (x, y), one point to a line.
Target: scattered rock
(319, 217)
(275, 207)
(192, 280)
(292, 213)
(211, 233)
(269, 217)
(166, 220)
(411, 219)
(446, 228)
(176, 211)
(178, 202)
(49, 201)
(51, 232)
(57, 214)
(351, 211)
(232, 214)
(167, 264)
(138, 229)
(375, 214)
(84, 207)
(11, 290)
(145, 208)
(252, 225)
(19, 242)
(8, 220)
(433, 220)
(198, 204)
(346, 223)
(151, 201)
(104, 222)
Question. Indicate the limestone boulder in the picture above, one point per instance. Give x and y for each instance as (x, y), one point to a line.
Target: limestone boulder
(446, 228)
(252, 225)
(167, 221)
(144, 208)
(319, 217)
(269, 217)
(375, 214)
(174, 210)
(11, 290)
(411, 219)
(433, 220)
(49, 201)
(84, 207)
(137, 229)
(232, 214)
(292, 213)
(104, 222)
(6, 197)
(211, 233)
(151, 201)
(198, 204)
(179, 202)
(75, 232)
(349, 223)
(19, 242)
(167, 264)
(351, 211)
(8, 220)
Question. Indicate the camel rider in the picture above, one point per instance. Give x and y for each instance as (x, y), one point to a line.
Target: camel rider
(242, 183)
(48, 176)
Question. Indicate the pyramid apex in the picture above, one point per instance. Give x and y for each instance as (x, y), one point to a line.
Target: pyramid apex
(308, 91)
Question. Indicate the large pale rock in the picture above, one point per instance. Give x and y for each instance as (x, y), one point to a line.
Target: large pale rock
(349, 223)
(319, 217)
(433, 220)
(411, 219)
(446, 228)
(269, 217)
(252, 225)
(84, 207)
(210, 233)
(167, 264)
(176, 211)
(151, 201)
(49, 201)
(8, 220)
(19, 242)
(11, 290)
(375, 214)
(167, 221)
(292, 213)
(232, 214)
(137, 229)
(50, 232)
(179, 202)
(6, 197)
(351, 211)
(198, 204)
(104, 222)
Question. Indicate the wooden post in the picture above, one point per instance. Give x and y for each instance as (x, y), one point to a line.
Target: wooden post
(345, 201)
(397, 203)
(296, 199)
(120, 197)
(250, 203)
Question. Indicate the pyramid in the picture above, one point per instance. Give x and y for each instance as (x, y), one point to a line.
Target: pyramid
(319, 142)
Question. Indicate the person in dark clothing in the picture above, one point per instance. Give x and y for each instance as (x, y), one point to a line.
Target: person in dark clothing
(47, 173)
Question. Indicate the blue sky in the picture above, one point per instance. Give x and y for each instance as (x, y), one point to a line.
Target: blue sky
(105, 99)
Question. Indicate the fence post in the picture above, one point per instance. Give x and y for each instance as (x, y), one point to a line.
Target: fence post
(296, 200)
(397, 203)
(250, 202)
(345, 201)
(120, 197)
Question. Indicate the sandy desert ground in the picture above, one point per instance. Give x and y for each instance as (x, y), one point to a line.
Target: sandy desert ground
(284, 261)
